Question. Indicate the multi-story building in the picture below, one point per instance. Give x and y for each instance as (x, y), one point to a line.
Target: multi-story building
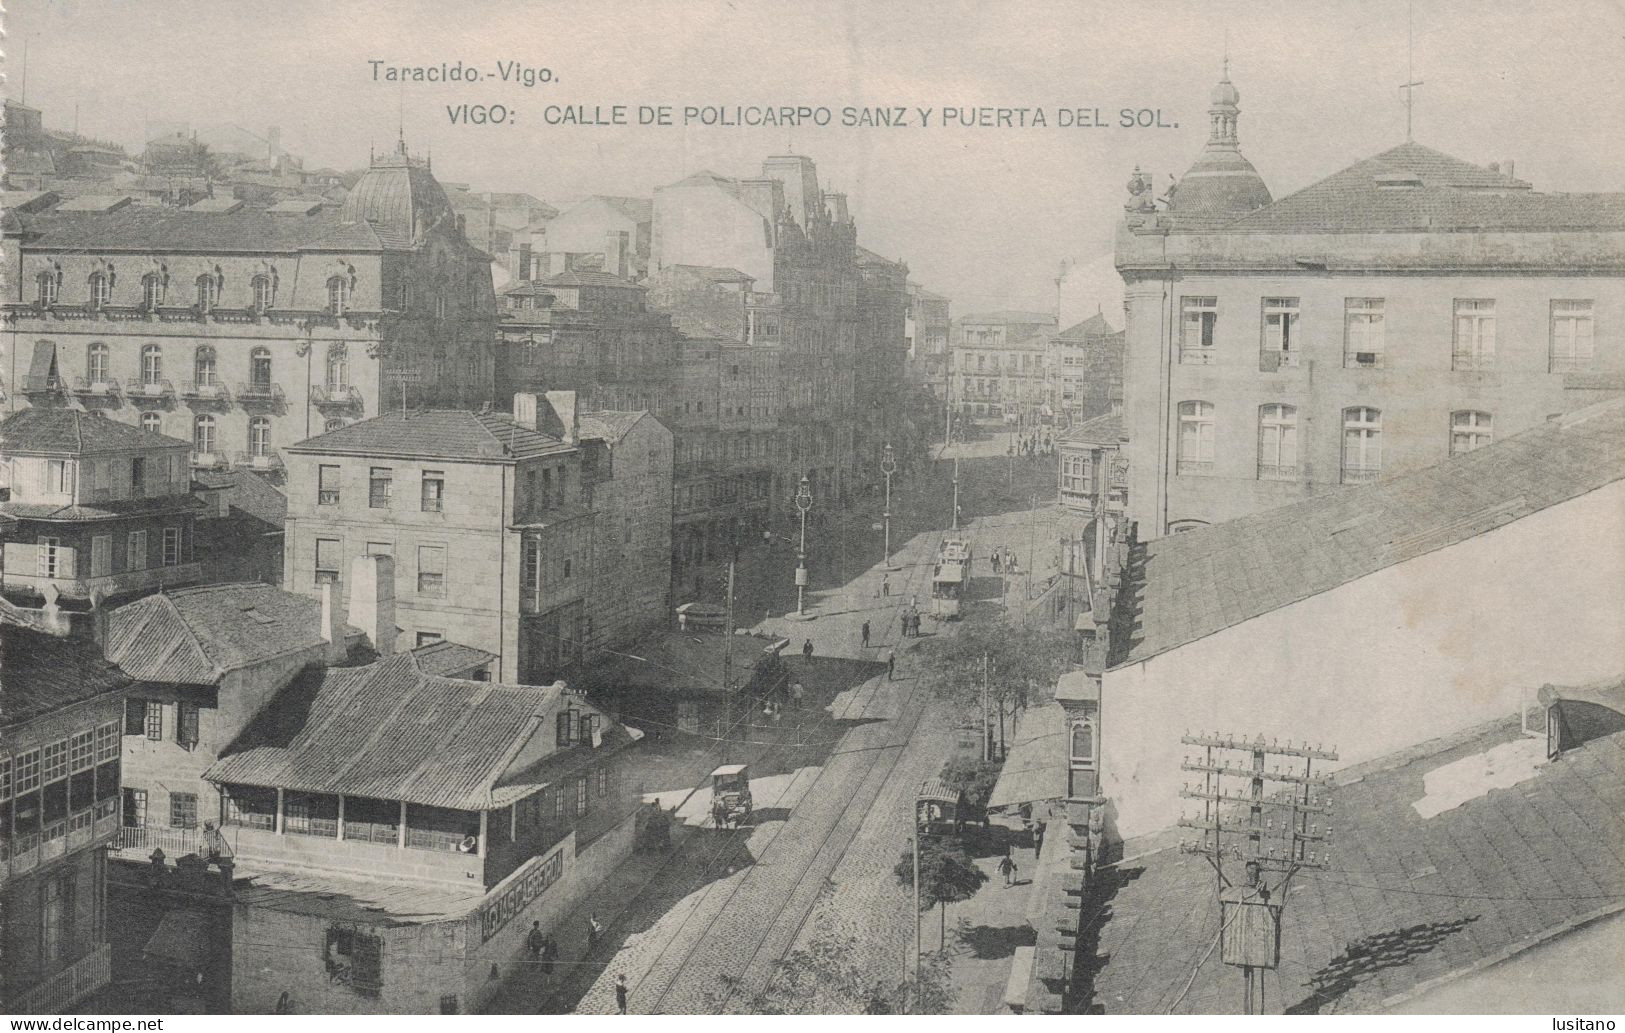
(486, 515)
(881, 358)
(244, 328)
(1406, 309)
(997, 364)
(627, 460)
(610, 234)
(96, 508)
(1084, 371)
(60, 707)
(926, 333)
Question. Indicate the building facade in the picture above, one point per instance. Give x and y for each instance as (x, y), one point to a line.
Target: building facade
(245, 328)
(1084, 371)
(628, 461)
(997, 368)
(1409, 308)
(926, 332)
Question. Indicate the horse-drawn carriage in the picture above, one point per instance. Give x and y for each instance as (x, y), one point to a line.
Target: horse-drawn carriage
(730, 796)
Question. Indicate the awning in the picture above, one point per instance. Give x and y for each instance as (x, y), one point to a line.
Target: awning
(43, 365)
(182, 939)
(1036, 767)
(949, 572)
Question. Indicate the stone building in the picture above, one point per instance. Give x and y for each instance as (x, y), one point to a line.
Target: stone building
(1084, 371)
(997, 366)
(926, 333)
(486, 515)
(1406, 309)
(60, 706)
(95, 508)
(627, 460)
(245, 328)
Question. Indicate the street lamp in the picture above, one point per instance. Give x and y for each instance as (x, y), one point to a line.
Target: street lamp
(956, 492)
(803, 503)
(888, 466)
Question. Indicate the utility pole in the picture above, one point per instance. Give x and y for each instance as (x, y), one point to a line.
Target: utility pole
(728, 656)
(918, 950)
(987, 732)
(956, 492)
(1033, 505)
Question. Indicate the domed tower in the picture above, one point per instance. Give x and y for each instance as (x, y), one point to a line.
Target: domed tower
(399, 197)
(1222, 182)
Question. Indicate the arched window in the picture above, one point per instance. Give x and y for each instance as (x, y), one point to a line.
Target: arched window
(207, 292)
(1469, 430)
(101, 289)
(152, 365)
(259, 437)
(96, 363)
(1277, 443)
(264, 293)
(1362, 444)
(259, 370)
(203, 435)
(338, 295)
(152, 291)
(47, 285)
(338, 367)
(1083, 741)
(203, 366)
(1196, 435)
(153, 422)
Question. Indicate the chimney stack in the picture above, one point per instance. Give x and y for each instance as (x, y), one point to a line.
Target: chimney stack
(1506, 167)
(615, 247)
(372, 601)
(330, 626)
(563, 405)
(527, 410)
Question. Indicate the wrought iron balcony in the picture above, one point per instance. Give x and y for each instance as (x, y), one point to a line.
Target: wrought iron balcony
(96, 387)
(258, 391)
(50, 385)
(335, 396)
(205, 391)
(138, 387)
(270, 460)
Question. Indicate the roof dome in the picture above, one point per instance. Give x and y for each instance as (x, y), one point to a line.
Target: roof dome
(398, 196)
(1222, 181)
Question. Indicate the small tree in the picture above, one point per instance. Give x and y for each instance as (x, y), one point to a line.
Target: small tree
(975, 778)
(1018, 655)
(947, 875)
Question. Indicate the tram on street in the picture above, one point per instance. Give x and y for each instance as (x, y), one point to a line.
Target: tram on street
(950, 576)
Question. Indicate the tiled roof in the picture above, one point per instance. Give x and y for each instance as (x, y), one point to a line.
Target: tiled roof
(247, 494)
(334, 898)
(1106, 429)
(75, 432)
(146, 228)
(609, 425)
(193, 636)
(1094, 326)
(390, 731)
(435, 433)
(714, 273)
(1007, 316)
(586, 278)
(1412, 187)
(1194, 584)
(40, 673)
(1408, 899)
(449, 659)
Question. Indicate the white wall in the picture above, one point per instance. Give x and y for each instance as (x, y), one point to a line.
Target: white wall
(1438, 644)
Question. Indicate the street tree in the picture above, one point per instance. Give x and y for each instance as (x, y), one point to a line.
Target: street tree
(828, 976)
(947, 876)
(975, 778)
(1023, 662)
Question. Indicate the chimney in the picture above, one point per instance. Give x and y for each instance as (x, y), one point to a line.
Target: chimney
(1506, 167)
(527, 410)
(372, 601)
(330, 626)
(563, 406)
(615, 253)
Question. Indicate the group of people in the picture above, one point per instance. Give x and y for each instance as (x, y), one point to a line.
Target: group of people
(1032, 446)
(911, 623)
(1005, 562)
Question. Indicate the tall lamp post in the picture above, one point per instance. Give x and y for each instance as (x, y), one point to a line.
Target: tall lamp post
(956, 492)
(803, 503)
(888, 466)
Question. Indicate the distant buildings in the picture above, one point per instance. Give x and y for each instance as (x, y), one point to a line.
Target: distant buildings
(998, 364)
(627, 460)
(927, 331)
(1409, 308)
(1083, 371)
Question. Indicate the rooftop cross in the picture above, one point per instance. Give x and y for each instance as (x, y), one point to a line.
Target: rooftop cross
(1411, 81)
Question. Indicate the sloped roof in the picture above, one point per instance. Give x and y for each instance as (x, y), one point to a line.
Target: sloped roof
(391, 731)
(1412, 187)
(587, 278)
(40, 673)
(193, 636)
(1409, 899)
(1194, 584)
(1105, 429)
(638, 209)
(1007, 316)
(1095, 326)
(159, 227)
(436, 433)
(446, 659)
(1036, 766)
(608, 424)
(75, 432)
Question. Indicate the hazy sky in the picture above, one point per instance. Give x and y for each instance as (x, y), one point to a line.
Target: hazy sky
(981, 214)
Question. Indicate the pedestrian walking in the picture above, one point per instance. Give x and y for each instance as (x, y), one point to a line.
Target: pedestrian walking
(535, 940)
(797, 694)
(996, 569)
(885, 585)
(891, 665)
(806, 649)
(865, 632)
(1007, 868)
(595, 929)
(621, 992)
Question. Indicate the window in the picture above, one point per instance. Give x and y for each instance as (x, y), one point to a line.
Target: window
(327, 485)
(603, 782)
(566, 728)
(96, 364)
(581, 795)
(440, 306)
(101, 556)
(1475, 334)
(1083, 741)
(333, 424)
(338, 295)
(1277, 443)
(406, 297)
(186, 724)
(1196, 434)
(135, 808)
(1199, 317)
(1362, 332)
(533, 566)
(432, 570)
(152, 291)
(1469, 430)
(52, 560)
(429, 638)
(208, 289)
(152, 365)
(56, 920)
(259, 437)
(380, 487)
(46, 285)
(135, 551)
(327, 561)
(172, 546)
(58, 474)
(259, 370)
(203, 366)
(155, 720)
(448, 1004)
(152, 421)
(203, 435)
(338, 368)
(434, 491)
(1572, 332)
(263, 292)
(107, 741)
(101, 289)
(1362, 444)
(135, 717)
(183, 810)
(1280, 327)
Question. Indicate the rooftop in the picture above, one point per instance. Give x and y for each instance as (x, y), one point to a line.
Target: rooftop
(1036, 767)
(193, 636)
(75, 432)
(448, 659)
(1194, 584)
(1105, 429)
(370, 902)
(609, 425)
(1409, 899)
(1005, 316)
(41, 673)
(587, 278)
(435, 433)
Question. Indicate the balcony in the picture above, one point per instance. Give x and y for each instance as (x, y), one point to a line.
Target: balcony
(261, 461)
(205, 391)
(428, 856)
(72, 586)
(157, 389)
(1360, 474)
(136, 843)
(79, 980)
(1277, 472)
(1362, 360)
(44, 386)
(334, 396)
(1196, 356)
(92, 826)
(1270, 360)
(211, 461)
(1473, 362)
(96, 387)
(259, 392)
